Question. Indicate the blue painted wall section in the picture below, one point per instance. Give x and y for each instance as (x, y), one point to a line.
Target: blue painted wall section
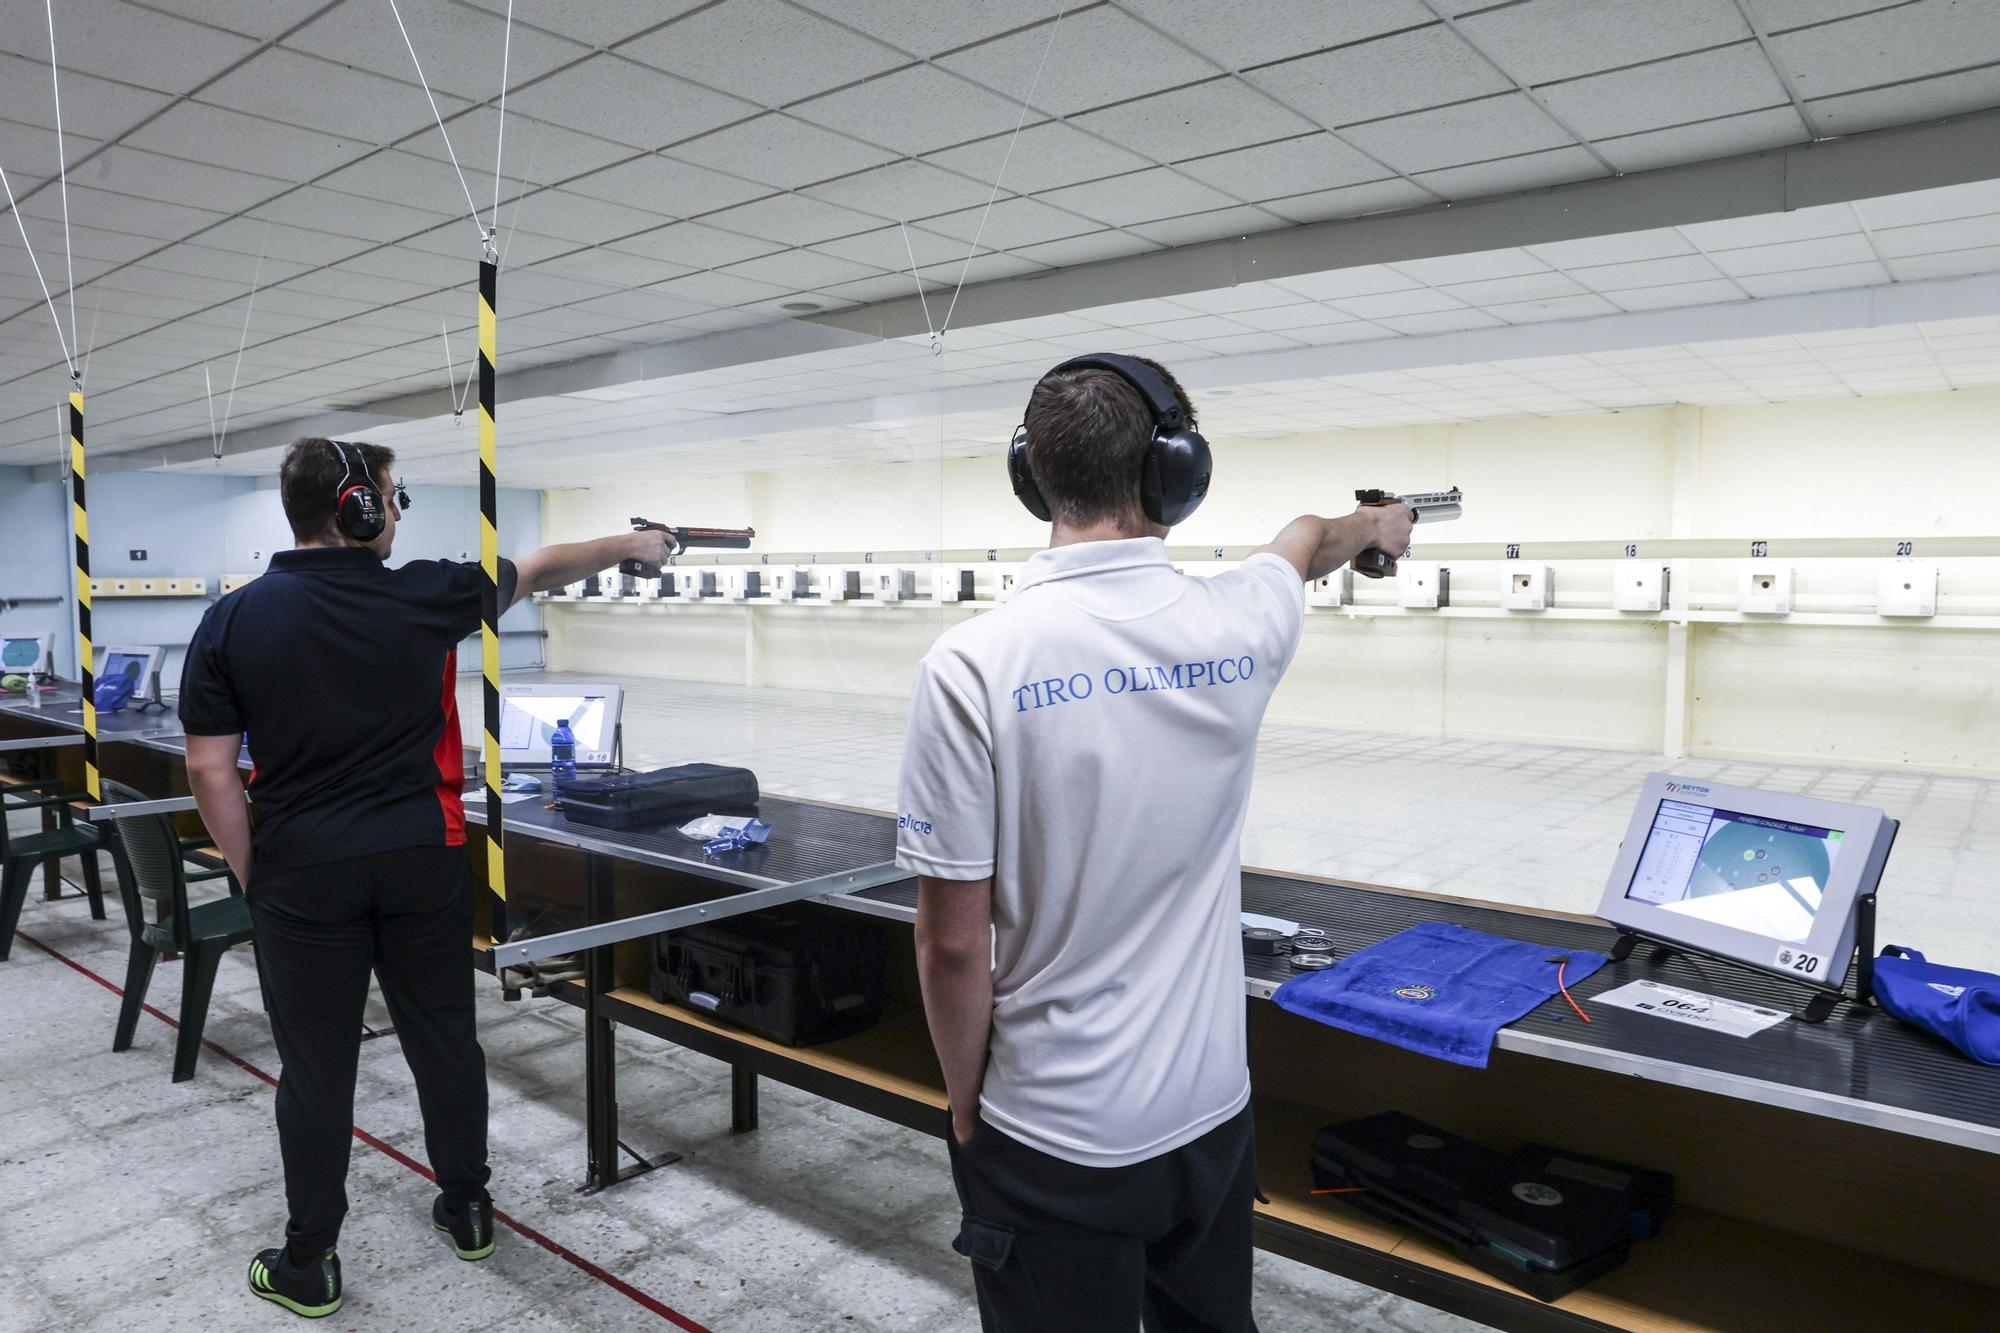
(211, 526)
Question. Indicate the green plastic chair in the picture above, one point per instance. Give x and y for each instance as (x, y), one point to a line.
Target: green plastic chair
(150, 856)
(20, 855)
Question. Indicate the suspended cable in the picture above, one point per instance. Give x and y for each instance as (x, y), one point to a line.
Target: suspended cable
(458, 396)
(514, 220)
(15, 208)
(500, 139)
(62, 168)
(90, 343)
(930, 328)
(1026, 103)
(242, 341)
(485, 238)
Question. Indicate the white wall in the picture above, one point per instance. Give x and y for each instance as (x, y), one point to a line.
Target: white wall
(1914, 466)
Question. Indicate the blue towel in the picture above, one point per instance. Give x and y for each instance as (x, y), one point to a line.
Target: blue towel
(1435, 989)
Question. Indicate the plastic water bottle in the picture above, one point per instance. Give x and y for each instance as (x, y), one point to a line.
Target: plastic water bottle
(562, 756)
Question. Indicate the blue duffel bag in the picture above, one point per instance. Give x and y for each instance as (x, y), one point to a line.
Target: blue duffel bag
(1956, 1003)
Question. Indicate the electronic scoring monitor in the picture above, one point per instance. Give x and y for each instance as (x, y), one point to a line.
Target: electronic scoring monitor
(1768, 879)
(141, 664)
(529, 712)
(27, 654)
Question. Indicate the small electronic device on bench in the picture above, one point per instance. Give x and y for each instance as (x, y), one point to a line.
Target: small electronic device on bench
(1776, 881)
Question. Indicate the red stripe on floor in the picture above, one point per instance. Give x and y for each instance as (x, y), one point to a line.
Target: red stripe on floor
(522, 1229)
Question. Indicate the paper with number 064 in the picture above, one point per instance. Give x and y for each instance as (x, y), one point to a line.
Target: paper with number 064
(1692, 1007)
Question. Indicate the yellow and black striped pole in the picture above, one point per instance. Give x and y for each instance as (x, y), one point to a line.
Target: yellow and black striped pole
(85, 657)
(490, 608)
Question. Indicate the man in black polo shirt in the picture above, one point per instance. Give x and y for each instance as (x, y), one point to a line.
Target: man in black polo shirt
(341, 674)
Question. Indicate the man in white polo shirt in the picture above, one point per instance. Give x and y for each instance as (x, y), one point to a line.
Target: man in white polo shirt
(1073, 793)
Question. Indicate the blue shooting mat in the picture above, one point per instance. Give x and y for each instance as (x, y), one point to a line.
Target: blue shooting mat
(1436, 989)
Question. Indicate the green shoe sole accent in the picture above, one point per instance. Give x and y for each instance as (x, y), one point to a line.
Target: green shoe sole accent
(467, 1255)
(309, 1311)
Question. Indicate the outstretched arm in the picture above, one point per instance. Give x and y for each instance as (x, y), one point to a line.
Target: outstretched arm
(554, 567)
(1317, 546)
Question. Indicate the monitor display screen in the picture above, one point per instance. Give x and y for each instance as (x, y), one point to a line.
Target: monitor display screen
(118, 664)
(1749, 872)
(20, 654)
(528, 720)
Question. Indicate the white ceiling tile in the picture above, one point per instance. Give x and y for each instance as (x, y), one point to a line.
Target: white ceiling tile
(1803, 224)
(112, 40)
(721, 289)
(1384, 77)
(1669, 92)
(1221, 224)
(592, 22)
(664, 184)
(904, 190)
(697, 247)
(1912, 41)
(1905, 103)
(1450, 136)
(897, 249)
(763, 50)
(1679, 294)
(1532, 171)
(1779, 15)
(151, 176)
(1046, 157)
(1546, 40)
(1623, 247)
(537, 152)
(1790, 255)
(116, 213)
(1090, 249)
(332, 99)
(1097, 57)
(613, 267)
(92, 108)
(628, 103)
(1011, 223)
(1339, 284)
(1931, 237)
(1951, 264)
(1189, 328)
(397, 177)
(460, 48)
(1195, 122)
(802, 270)
(1710, 139)
(1280, 29)
(1350, 201)
(1141, 197)
(1471, 268)
(1241, 300)
(581, 218)
(925, 30)
(1526, 287)
(1646, 273)
(1315, 162)
(782, 152)
(793, 219)
(915, 110)
(1285, 318)
(1421, 301)
(1440, 321)
(199, 133)
(985, 267)
(1939, 205)
(350, 215)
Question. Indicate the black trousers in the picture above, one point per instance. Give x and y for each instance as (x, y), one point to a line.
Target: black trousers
(1057, 1246)
(407, 916)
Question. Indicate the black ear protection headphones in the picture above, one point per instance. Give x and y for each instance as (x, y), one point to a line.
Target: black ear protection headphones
(1175, 471)
(357, 504)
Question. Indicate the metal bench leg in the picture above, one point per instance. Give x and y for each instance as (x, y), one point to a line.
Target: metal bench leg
(13, 893)
(742, 1099)
(93, 885)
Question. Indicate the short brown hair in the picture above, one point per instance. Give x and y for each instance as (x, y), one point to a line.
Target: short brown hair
(309, 483)
(1087, 432)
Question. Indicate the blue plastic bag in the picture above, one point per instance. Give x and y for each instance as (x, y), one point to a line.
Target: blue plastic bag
(1956, 1003)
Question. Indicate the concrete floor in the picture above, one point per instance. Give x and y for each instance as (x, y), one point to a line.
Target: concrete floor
(133, 1202)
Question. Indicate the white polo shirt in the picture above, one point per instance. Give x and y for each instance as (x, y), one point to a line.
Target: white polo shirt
(1090, 746)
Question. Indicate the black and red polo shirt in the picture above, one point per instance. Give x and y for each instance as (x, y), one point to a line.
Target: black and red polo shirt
(341, 673)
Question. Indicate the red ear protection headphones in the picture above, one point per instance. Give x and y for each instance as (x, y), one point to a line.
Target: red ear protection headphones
(1174, 473)
(357, 504)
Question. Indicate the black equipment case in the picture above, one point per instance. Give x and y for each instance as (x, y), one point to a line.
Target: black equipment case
(1544, 1232)
(687, 791)
(800, 975)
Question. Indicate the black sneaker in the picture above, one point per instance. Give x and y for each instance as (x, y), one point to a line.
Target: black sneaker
(470, 1226)
(312, 1289)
